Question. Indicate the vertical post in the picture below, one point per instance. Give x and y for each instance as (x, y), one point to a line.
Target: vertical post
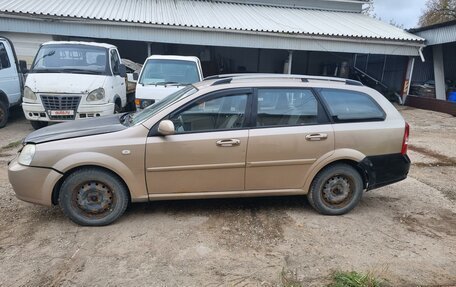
(383, 70)
(290, 61)
(408, 78)
(439, 73)
(149, 49)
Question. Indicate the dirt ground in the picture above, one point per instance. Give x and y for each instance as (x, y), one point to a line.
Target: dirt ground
(405, 233)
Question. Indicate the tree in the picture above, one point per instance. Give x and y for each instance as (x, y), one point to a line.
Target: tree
(438, 11)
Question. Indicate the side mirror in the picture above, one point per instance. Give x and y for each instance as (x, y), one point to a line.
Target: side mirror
(166, 128)
(122, 71)
(23, 66)
(135, 76)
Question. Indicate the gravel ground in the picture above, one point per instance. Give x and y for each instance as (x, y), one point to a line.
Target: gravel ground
(405, 233)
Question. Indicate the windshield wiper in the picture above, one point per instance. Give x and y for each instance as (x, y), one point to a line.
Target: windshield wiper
(169, 83)
(80, 71)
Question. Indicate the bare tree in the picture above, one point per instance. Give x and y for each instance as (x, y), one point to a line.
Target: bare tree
(438, 11)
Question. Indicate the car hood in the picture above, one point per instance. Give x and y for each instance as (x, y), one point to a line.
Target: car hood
(64, 83)
(152, 92)
(77, 128)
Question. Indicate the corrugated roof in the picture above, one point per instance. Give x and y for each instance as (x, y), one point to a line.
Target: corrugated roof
(215, 15)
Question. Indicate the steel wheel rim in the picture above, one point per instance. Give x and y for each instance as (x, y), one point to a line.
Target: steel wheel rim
(94, 199)
(338, 191)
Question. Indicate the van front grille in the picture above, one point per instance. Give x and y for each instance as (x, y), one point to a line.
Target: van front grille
(61, 103)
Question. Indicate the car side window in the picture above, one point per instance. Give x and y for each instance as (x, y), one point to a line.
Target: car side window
(4, 61)
(115, 62)
(212, 114)
(286, 107)
(351, 106)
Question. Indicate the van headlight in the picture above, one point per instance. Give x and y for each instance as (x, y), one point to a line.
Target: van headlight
(96, 95)
(29, 94)
(27, 154)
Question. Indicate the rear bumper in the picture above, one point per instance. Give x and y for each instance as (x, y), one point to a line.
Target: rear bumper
(36, 112)
(38, 184)
(387, 169)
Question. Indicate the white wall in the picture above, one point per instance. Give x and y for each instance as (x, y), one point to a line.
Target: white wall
(26, 45)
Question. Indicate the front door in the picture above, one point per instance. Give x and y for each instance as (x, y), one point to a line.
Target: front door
(207, 152)
(292, 132)
(118, 82)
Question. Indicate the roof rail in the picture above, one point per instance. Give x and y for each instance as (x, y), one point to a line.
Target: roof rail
(228, 78)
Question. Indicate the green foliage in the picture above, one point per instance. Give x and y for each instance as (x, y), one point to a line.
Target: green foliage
(438, 11)
(355, 279)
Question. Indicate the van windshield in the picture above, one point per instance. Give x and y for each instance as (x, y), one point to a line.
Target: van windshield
(168, 72)
(71, 58)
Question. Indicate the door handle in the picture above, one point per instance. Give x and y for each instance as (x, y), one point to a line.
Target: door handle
(228, 143)
(316, 137)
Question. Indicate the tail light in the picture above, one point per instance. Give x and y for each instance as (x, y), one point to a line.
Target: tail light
(406, 139)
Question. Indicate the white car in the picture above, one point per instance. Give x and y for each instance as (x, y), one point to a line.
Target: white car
(74, 80)
(163, 75)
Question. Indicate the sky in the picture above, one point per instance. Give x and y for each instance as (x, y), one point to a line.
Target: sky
(402, 12)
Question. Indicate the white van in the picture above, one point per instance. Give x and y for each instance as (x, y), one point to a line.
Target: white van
(74, 80)
(163, 75)
(11, 79)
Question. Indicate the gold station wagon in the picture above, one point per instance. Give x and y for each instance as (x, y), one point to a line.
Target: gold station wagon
(228, 136)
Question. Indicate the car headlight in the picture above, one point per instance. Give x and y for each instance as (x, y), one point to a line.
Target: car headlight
(27, 154)
(29, 94)
(96, 95)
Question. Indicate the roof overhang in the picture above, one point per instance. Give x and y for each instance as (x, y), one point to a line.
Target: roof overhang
(214, 24)
(437, 34)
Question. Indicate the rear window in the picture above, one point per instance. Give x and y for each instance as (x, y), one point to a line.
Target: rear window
(350, 106)
(286, 107)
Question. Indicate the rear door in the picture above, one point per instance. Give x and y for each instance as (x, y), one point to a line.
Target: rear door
(207, 152)
(291, 133)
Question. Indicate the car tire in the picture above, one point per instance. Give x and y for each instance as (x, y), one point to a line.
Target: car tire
(336, 190)
(38, 124)
(93, 197)
(117, 108)
(4, 114)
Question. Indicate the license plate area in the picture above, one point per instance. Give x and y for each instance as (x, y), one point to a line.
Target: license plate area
(61, 113)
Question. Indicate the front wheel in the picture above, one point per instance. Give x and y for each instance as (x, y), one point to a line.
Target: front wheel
(93, 197)
(336, 190)
(38, 124)
(4, 114)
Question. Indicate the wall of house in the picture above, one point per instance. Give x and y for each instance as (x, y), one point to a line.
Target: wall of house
(26, 45)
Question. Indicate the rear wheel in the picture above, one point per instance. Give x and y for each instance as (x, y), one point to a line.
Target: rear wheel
(38, 124)
(93, 197)
(336, 190)
(4, 114)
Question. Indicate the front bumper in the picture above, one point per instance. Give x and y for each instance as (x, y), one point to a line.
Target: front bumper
(33, 184)
(36, 112)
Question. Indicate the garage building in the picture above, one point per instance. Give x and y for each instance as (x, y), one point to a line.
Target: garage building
(315, 37)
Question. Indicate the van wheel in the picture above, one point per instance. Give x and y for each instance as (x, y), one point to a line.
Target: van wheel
(4, 114)
(117, 107)
(93, 197)
(336, 190)
(38, 124)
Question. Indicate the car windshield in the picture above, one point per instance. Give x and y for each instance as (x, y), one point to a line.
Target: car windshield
(71, 58)
(166, 72)
(151, 110)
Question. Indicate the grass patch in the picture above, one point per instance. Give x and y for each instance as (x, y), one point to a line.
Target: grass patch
(355, 279)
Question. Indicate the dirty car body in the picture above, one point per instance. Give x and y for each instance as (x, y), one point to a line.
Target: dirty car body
(242, 136)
